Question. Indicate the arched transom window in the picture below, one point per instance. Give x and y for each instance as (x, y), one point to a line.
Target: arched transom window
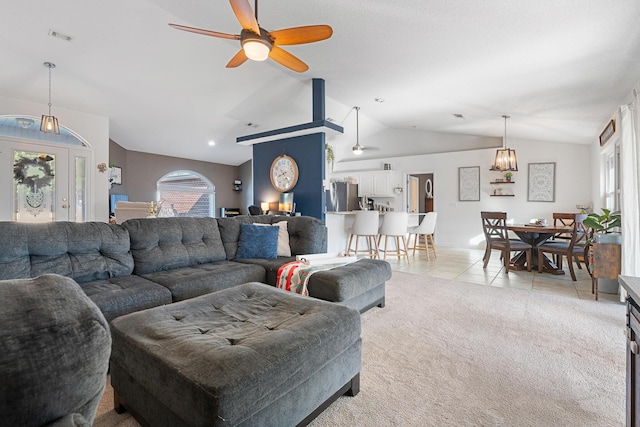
(187, 193)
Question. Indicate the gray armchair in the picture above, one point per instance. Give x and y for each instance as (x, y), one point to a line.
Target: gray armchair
(54, 353)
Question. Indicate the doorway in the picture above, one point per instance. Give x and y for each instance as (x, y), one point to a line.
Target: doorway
(420, 192)
(46, 182)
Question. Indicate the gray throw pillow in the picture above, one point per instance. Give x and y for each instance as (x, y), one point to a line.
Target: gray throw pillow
(257, 242)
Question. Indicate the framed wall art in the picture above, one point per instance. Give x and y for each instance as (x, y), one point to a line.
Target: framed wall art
(607, 132)
(115, 175)
(469, 184)
(541, 186)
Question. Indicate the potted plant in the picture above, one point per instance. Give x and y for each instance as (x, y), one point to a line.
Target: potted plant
(604, 228)
(508, 176)
(329, 155)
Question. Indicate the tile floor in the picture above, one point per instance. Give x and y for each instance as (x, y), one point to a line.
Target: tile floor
(466, 265)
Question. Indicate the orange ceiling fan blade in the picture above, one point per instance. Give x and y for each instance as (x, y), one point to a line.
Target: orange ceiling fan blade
(205, 32)
(286, 59)
(238, 59)
(301, 35)
(245, 15)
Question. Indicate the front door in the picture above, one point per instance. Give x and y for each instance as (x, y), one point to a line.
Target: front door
(48, 183)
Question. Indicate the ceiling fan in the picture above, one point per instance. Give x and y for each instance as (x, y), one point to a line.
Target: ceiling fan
(259, 44)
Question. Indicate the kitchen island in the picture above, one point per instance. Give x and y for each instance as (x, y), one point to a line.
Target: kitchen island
(339, 227)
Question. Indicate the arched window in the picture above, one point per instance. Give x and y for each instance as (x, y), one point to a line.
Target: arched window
(187, 193)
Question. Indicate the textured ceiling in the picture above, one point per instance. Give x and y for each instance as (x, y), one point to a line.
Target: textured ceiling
(559, 68)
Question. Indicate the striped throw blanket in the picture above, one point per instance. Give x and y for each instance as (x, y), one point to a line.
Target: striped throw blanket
(294, 276)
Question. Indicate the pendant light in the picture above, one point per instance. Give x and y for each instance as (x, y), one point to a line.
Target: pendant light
(357, 149)
(49, 124)
(505, 158)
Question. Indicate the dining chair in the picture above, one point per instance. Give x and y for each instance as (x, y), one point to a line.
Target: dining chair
(394, 225)
(425, 230)
(254, 210)
(563, 219)
(494, 225)
(572, 249)
(365, 225)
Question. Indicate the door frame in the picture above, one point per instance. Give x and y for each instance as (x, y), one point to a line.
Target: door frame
(65, 187)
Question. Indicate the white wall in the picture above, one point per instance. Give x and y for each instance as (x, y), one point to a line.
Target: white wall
(459, 222)
(93, 128)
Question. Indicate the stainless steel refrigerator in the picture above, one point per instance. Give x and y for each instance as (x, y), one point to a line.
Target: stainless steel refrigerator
(342, 197)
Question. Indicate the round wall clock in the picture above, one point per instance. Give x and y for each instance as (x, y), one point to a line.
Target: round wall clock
(284, 173)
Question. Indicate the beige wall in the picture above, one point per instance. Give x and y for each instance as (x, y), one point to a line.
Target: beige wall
(141, 171)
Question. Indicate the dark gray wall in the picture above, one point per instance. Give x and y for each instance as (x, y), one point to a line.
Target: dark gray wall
(141, 171)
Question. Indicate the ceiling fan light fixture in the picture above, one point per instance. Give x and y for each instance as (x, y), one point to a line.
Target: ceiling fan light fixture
(357, 149)
(256, 50)
(256, 47)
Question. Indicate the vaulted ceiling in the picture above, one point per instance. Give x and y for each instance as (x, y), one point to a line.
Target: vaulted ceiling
(559, 68)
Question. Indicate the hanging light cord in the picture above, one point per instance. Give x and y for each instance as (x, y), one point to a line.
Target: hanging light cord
(357, 125)
(505, 129)
(49, 89)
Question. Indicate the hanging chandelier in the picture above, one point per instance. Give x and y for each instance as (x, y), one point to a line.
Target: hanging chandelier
(49, 124)
(357, 149)
(506, 157)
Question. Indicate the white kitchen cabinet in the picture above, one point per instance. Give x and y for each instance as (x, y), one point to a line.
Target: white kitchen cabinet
(379, 183)
(374, 183)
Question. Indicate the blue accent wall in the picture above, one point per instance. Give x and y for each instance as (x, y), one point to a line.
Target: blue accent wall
(308, 152)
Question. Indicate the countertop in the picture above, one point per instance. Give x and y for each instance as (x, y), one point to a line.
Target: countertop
(632, 286)
(354, 212)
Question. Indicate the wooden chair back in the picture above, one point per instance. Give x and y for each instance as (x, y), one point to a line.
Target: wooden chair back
(561, 219)
(494, 225)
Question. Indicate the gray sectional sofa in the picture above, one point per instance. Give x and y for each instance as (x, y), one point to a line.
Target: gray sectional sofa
(145, 263)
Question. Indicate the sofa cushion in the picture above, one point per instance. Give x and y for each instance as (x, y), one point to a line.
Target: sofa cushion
(270, 266)
(189, 282)
(307, 235)
(125, 294)
(257, 242)
(283, 237)
(348, 281)
(54, 351)
(160, 244)
(83, 251)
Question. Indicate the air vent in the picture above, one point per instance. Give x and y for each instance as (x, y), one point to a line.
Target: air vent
(59, 35)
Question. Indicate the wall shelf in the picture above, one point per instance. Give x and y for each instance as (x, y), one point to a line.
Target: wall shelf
(502, 182)
(501, 195)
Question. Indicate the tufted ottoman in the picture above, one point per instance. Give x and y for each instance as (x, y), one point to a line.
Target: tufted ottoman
(250, 355)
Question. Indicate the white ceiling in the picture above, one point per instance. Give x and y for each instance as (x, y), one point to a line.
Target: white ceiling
(559, 68)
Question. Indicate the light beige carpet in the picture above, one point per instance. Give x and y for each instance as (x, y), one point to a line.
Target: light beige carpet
(446, 353)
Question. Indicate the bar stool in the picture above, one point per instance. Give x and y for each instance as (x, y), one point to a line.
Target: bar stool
(365, 225)
(394, 225)
(425, 229)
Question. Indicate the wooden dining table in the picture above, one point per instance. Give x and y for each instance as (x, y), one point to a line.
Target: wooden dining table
(536, 235)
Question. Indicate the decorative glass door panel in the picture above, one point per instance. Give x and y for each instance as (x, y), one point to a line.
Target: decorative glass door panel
(40, 184)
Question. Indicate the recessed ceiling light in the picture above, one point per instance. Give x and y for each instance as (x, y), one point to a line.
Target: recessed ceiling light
(212, 143)
(379, 100)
